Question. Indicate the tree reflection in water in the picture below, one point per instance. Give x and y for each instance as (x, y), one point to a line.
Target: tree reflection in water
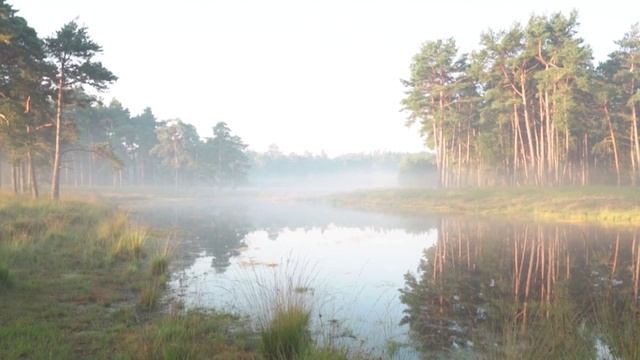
(526, 291)
(219, 232)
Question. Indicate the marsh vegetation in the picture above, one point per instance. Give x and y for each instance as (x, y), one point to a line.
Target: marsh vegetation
(80, 280)
(513, 234)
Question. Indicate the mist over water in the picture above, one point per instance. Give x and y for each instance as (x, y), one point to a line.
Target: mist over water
(433, 285)
(517, 172)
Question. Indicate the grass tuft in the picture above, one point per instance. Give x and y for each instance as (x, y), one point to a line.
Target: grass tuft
(6, 279)
(130, 243)
(151, 293)
(288, 335)
(159, 265)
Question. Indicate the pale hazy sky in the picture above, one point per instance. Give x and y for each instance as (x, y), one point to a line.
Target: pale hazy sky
(306, 75)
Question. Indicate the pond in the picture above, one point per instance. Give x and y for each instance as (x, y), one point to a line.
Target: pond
(414, 287)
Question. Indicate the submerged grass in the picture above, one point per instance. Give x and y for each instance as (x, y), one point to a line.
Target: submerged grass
(600, 204)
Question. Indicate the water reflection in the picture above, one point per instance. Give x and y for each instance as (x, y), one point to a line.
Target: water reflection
(219, 228)
(357, 260)
(475, 289)
(526, 291)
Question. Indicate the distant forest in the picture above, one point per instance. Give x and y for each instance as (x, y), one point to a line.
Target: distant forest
(52, 126)
(529, 107)
(54, 129)
(273, 166)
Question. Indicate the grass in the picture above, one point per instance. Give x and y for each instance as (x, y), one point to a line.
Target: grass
(604, 205)
(618, 326)
(79, 280)
(194, 334)
(159, 265)
(284, 299)
(287, 336)
(283, 311)
(6, 280)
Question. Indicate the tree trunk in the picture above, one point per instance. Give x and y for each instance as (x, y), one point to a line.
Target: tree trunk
(32, 175)
(14, 178)
(23, 177)
(55, 174)
(527, 123)
(613, 143)
(91, 160)
(633, 160)
(634, 126)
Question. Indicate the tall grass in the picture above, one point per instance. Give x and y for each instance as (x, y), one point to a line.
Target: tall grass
(618, 325)
(282, 300)
(160, 261)
(159, 265)
(6, 279)
(287, 336)
(130, 243)
(152, 290)
(282, 312)
(150, 294)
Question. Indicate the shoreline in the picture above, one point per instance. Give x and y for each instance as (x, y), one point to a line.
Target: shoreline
(605, 206)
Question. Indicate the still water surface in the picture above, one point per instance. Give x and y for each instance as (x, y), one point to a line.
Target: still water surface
(437, 287)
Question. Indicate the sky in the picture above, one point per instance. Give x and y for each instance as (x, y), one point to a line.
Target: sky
(305, 75)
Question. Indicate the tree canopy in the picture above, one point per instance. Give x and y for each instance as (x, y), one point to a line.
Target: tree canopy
(528, 107)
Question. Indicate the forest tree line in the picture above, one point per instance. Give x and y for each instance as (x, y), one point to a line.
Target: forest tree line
(53, 127)
(529, 107)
